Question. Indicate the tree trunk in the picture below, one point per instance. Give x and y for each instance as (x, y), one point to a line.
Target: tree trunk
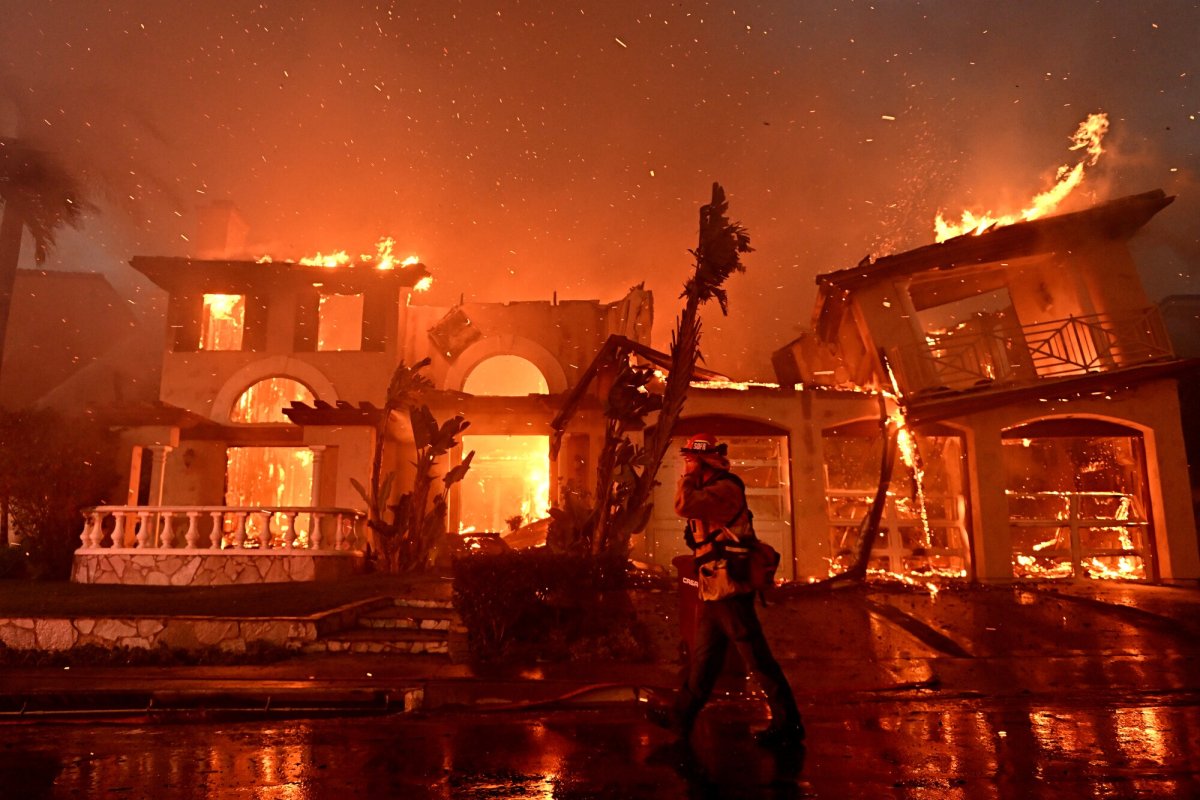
(11, 228)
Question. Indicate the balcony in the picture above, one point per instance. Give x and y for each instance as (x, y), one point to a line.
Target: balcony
(212, 545)
(978, 355)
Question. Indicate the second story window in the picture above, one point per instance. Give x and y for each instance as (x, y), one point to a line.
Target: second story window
(340, 322)
(222, 322)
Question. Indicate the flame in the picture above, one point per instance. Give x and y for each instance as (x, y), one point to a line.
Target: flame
(535, 504)
(384, 257)
(740, 386)
(222, 322)
(423, 284)
(1087, 138)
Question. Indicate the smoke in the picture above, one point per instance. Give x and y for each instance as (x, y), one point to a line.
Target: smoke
(523, 148)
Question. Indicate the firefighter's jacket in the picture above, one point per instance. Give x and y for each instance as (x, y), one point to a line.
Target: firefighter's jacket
(714, 504)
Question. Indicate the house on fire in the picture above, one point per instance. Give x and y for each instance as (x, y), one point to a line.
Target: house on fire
(1036, 383)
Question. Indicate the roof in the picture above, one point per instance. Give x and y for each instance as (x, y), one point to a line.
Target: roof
(183, 275)
(1117, 219)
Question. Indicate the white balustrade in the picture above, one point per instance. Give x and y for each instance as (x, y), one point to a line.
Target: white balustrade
(249, 528)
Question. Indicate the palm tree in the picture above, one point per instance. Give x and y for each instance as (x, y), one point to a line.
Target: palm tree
(717, 256)
(36, 193)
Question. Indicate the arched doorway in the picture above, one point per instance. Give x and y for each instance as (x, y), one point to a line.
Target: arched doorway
(269, 475)
(1078, 502)
(509, 481)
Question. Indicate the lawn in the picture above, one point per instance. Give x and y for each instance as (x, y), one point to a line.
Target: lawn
(23, 598)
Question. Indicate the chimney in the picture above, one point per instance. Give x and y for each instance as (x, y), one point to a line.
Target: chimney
(220, 232)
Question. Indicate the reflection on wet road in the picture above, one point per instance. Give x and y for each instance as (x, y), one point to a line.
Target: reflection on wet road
(910, 747)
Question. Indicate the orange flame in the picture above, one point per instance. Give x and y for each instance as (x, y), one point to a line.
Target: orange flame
(384, 257)
(1087, 138)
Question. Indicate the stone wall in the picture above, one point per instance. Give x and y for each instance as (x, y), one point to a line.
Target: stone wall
(231, 634)
(212, 568)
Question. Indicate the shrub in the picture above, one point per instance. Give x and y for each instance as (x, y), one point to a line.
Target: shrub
(51, 466)
(12, 562)
(536, 604)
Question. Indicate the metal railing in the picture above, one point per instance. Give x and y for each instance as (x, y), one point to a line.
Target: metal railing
(271, 529)
(982, 356)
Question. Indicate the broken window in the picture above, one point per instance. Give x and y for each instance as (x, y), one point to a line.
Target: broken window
(340, 322)
(923, 529)
(1077, 500)
(266, 400)
(508, 484)
(222, 322)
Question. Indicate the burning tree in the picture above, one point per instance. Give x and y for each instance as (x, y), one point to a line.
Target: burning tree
(39, 194)
(626, 473)
(408, 529)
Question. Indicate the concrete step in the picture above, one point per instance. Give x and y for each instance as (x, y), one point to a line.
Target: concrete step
(408, 618)
(424, 602)
(383, 640)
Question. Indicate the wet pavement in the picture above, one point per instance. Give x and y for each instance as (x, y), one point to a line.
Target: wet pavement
(1000, 692)
(910, 747)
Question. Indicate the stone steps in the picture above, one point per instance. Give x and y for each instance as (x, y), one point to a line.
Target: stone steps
(412, 625)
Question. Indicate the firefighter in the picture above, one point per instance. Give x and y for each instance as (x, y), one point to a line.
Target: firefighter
(713, 500)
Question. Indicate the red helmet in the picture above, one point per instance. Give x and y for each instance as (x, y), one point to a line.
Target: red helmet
(703, 444)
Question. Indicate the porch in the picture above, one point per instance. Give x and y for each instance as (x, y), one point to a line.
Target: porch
(217, 545)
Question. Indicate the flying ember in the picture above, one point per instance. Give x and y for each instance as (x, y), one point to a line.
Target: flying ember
(1086, 138)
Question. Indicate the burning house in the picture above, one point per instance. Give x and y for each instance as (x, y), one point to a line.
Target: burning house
(272, 382)
(1042, 432)
(1032, 381)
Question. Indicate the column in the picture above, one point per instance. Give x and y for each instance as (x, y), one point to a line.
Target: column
(158, 471)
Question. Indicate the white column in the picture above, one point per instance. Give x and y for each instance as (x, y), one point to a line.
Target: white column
(314, 520)
(158, 471)
(318, 457)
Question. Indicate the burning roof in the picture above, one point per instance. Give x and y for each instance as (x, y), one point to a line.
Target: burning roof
(178, 275)
(1117, 219)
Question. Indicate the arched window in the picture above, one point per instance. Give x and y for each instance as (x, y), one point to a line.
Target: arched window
(509, 376)
(264, 401)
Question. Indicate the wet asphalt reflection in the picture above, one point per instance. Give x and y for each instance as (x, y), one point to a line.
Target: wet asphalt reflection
(911, 747)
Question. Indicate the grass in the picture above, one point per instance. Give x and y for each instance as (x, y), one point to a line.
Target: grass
(25, 598)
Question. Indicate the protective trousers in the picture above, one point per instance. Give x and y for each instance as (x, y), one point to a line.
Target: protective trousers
(719, 623)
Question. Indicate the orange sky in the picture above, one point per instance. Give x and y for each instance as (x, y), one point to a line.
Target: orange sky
(522, 148)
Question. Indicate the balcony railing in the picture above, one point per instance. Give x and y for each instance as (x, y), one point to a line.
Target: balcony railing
(270, 529)
(980, 355)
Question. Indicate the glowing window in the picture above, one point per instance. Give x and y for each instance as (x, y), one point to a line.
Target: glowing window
(265, 401)
(923, 530)
(507, 376)
(266, 477)
(340, 322)
(222, 322)
(1078, 505)
(509, 482)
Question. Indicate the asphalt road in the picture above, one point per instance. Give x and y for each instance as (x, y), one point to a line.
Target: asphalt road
(919, 745)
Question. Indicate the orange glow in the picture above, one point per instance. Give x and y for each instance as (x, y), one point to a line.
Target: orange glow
(338, 259)
(509, 477)
(222, 322)
(1087, 138)
(383, 258)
